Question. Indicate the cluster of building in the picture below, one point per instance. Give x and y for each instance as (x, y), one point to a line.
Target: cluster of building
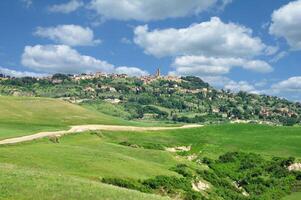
(4, 77)
(151, 78)
(145, 79)
(283, 111)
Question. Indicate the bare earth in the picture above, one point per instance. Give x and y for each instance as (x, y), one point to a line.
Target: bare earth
(83, 128)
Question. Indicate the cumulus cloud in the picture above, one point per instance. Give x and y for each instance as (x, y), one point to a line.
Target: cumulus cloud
(65, 8)
(132, 71)
(201, 65)
(211, 38)
(240, 86)
(286, 23)
(228, 84)
(151, 9)
(72, 35)
(15, 73)
(279, 56)
(63, 59)
(289, 88)
(291, 85)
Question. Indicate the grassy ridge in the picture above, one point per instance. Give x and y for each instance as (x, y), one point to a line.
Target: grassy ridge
(87, 158)
(26, 115)
(215, 140)
(19, 183)
(73, 168)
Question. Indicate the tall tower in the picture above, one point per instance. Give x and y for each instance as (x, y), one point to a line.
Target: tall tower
(158, 73)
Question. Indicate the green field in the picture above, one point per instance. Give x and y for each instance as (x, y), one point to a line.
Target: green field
(217, 139)
(29, 184)
(75, 166)
(294, 196)
(26, 115)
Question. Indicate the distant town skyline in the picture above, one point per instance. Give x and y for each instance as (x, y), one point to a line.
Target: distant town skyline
(253, 46)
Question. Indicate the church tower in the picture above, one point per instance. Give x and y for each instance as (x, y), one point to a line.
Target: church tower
(158, 73)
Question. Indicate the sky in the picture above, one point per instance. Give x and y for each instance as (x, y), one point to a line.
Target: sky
(248, 45)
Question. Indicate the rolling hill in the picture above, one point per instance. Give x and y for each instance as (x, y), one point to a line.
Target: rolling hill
(27, 115)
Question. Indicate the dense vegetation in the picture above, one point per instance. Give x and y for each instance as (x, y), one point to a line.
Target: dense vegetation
(234, 175)
(188, 99)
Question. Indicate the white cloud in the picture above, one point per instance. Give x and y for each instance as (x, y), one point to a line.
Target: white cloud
(240, 86)
(201, 65)
(131, 71)
(63, 59)
(72, 35)
(125, 40)
(211, 38)
(216, 81)
(289, 88)
(151, 9)
(291, 85)
(279, 56)
(68, 7)
(14, 73)
(27, 3)
(228, 84)
(286, 22)
(271, 50)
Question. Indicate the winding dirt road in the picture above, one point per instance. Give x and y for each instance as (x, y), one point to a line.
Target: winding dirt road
(83, 128)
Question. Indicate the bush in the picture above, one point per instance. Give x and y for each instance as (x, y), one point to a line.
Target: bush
(184, 170)
(129, 184)
(153, 146)
(125, 143)
(169, 183)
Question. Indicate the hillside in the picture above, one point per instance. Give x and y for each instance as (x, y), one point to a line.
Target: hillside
(186, 99)
(27, 115)
(215, 162)
(85, 165)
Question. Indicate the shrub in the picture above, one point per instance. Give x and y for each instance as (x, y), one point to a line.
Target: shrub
(126, 183)
(169, 183)
(153, 146)
(184, 170)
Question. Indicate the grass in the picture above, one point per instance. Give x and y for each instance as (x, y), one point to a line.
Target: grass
(215, 140)
(29, 184)
(87, 155)
(294, 196)
(26, 115)
(73, 168)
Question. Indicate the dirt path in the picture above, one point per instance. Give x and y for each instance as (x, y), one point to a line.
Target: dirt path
(83, 128)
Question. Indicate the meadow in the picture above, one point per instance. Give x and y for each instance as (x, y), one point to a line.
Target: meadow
(215, 139)
(75, 166)
(294, 196)
(27, 115)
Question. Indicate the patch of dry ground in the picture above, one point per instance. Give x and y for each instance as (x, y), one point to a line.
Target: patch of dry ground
(200, 186)
(295, 167)
(178, 149)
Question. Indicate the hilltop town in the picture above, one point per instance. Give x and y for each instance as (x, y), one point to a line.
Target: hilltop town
(156, 97)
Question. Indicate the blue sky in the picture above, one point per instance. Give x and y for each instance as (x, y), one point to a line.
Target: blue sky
(250, 45)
